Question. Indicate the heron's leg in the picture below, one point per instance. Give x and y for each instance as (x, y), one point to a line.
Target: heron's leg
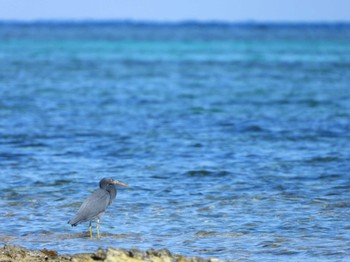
(98, 228)
(90, 230)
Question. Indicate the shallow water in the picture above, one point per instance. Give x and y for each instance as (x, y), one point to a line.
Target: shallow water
(234, 140)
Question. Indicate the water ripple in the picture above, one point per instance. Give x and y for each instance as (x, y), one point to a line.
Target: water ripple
(234, 141)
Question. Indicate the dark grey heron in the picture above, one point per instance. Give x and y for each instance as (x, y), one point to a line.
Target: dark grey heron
(95, 205)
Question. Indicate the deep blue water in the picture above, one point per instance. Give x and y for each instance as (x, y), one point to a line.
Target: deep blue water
(234, 139)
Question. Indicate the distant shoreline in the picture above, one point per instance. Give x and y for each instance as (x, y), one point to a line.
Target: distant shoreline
(194, 23)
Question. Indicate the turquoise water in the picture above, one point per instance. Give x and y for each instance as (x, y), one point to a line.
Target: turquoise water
(234, 139)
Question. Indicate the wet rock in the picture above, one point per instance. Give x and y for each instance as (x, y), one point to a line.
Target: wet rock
(99, 255)
(12, 253)
(16, 253)
(49, 253)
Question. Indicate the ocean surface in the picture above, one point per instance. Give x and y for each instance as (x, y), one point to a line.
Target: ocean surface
(234, 138)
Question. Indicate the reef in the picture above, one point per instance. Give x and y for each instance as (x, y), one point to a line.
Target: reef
(13, 253)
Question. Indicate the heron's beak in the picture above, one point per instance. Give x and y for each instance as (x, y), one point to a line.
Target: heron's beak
(119, 183)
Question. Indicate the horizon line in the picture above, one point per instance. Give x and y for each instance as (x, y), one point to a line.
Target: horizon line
(174, 22)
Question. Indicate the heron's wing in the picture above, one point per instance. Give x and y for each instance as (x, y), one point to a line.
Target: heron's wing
(94, 205)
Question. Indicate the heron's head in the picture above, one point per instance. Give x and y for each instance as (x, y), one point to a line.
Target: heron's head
(106, 181)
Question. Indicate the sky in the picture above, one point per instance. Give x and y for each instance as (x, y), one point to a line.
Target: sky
(178, 10)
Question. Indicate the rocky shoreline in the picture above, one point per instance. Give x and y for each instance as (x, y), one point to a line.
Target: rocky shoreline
(13, 253)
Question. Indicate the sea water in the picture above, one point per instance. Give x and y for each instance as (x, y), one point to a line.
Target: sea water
(234, 138)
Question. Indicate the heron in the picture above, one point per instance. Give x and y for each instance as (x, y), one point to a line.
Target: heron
(96, 204)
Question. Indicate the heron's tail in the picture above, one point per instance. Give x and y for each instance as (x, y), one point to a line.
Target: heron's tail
(73, 222)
